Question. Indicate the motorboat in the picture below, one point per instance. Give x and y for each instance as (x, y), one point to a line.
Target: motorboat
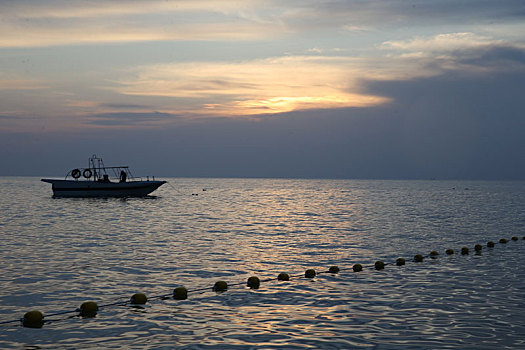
(98, 180)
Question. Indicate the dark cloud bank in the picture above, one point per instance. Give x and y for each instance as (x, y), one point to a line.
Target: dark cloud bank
(454, 126)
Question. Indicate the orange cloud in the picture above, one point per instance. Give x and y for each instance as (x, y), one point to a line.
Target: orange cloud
(272, 85)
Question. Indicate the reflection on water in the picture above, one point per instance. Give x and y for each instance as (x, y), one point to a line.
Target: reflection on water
(58, 253)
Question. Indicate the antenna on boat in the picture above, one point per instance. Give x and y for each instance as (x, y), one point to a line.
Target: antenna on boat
(97, 165)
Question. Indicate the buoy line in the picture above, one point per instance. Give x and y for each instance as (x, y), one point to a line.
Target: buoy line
(88, 309)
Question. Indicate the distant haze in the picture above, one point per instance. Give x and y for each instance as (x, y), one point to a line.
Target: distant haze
(302, 89)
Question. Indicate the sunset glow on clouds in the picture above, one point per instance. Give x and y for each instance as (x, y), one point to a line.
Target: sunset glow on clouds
(324, 72)
(261, 86)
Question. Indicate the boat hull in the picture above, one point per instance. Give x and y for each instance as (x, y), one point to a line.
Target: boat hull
(74, 188)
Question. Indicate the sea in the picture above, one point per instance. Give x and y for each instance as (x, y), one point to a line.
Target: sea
(57, 253)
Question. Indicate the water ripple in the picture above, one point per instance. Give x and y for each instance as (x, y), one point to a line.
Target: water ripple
(57, 253)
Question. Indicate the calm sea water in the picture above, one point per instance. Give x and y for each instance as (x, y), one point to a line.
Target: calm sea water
(58, 253)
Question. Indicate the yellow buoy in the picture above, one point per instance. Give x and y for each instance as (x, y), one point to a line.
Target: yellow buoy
(334, 269)
(379, 265)
(449, 251)
(503, 240)
(434, 254)
(253, 282)
(357, 267)
(220, 286)
(180, 293)
(400, 262)
(464, 251)
(514, 238)
(33, 319)
(88, 309)
(478, 247)
(139, 299)
(490, 244)
(310, 273)
(418, 258)
(283, 277)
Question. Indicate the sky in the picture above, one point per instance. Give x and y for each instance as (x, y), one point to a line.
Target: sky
(379, 89)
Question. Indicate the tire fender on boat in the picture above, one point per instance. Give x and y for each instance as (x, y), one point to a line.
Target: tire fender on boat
(87, 173)
(75, 173)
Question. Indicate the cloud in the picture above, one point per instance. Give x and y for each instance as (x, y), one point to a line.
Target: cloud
(501, 58)
(319, 51)
(125, 106)
(441, 43)
(77, 33)
(117, 8)
(282, 84)
(129, 119)
(272, 85)
(258, 87)
(21, 84)
(461, 52)
(368, 16)
(51, 23)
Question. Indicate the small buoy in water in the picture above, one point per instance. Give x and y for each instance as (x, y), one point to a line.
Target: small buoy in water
(283, 277)
(357, 267)
(400, 262)
(33, 319)
(253, 282)
(418, 258)
(220, 286)
(379, 265)
(490, 244)
(180, 293)
(88, 309)
(310, 273)
(464, 251)
(478, 247)
(334, 269)
(503, 240)
(449, 251)
(514, 238)
(433, 254)
(139, 299)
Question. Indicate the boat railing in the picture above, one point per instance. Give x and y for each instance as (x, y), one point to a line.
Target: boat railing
(97, 171)
(105, 174)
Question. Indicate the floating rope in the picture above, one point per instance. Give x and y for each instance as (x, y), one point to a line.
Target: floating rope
(184, 194)
(35, 318)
